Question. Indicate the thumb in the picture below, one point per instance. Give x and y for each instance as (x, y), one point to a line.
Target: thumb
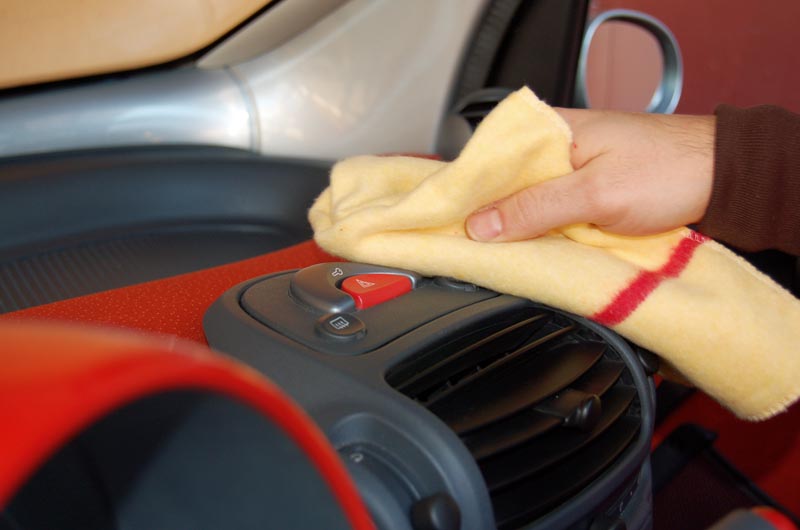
(534, 211)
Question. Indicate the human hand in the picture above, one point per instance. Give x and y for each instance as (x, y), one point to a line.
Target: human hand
(635, 174)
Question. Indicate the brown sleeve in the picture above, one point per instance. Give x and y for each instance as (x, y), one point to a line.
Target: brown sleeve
(755, 201)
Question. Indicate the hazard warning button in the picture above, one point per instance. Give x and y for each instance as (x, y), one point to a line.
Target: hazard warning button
(372, 289)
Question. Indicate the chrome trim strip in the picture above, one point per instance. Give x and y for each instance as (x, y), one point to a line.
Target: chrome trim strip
(185, 106)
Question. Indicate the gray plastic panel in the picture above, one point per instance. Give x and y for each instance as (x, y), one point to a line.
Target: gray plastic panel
(347, 395)
(383, 323)
(79, 222)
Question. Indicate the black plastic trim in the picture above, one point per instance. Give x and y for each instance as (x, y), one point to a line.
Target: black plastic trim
(77, 222)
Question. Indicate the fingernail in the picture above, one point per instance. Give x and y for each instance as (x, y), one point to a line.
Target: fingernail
(485, 225)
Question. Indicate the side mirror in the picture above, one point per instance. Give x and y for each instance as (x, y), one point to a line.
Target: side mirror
(640, 28)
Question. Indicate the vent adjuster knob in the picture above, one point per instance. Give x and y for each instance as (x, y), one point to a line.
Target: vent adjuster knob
(576, 409)
(436, 512)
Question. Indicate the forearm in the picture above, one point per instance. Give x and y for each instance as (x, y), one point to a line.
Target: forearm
(755, 201)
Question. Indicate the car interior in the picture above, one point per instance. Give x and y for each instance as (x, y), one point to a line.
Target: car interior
(181, 354)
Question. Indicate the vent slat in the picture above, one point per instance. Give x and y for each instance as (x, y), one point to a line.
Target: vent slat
(457, 382)
(526, 460)
(507, 339)
(600, 378)
(524, 382)
(518, 429)
(532, 498)
(531, 423)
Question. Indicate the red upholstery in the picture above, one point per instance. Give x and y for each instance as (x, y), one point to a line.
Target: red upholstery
(57, 379)
(767, 452)
(175, 305)
(775, 518)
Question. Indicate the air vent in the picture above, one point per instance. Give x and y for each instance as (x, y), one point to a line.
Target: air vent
(477, 105)
(543, 403)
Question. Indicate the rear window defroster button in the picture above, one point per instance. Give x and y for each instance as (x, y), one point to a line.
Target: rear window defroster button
(341, 326)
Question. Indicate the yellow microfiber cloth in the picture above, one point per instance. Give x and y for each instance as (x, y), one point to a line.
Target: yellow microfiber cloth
(723, 325)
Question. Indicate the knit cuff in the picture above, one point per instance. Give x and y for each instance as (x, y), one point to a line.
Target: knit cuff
(755, 201)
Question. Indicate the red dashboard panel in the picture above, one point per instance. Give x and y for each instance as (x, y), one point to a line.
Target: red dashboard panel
(174, 305)
(58, 378)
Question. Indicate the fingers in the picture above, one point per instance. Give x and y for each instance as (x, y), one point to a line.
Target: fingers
(635, 175)
(533, 211)
(575, 117)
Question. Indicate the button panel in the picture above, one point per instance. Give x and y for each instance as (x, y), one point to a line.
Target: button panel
(267, 302)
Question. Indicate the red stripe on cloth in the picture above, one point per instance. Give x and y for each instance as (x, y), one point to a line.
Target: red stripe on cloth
(646, 282)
